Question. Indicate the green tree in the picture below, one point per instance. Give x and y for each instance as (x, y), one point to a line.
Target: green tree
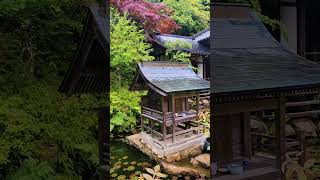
(175, 53)
(192, 15)
(127, 47)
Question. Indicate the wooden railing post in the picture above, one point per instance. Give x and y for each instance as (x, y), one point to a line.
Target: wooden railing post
(164, 127)
(141, 123)
(302, 141)
(173, 119)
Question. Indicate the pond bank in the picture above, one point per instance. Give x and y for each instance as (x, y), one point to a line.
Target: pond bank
(181, 163)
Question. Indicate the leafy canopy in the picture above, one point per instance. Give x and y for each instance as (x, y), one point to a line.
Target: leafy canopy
(155, 17)
(127, 47)
(191, 15)
(175, 53)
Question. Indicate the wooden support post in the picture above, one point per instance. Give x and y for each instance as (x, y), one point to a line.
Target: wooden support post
(104, 149)
(151, 127)
(173, 119)
(197, 103)
(246, 135)
(280, 125)
(141, 123)
(164, 104)
(302, 141)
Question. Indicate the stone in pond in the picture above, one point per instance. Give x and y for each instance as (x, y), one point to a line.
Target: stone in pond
(125, 163)
(204, 160)
(125, 157)
(133, 163)
(131, 168)
(194, 162)
(111, 170)
(139, 164)
(121, 177)
(132, 176)
(117, 167)
(146, 164)
(174, 178)
(137, 173)
(114, 175)
(187, 178)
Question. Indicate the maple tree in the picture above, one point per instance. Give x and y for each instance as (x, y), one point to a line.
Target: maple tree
(155, 17)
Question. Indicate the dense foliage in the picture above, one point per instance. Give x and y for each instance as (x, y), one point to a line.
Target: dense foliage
(43, 134)
(128, 47)
(191, 15)
(155, 17)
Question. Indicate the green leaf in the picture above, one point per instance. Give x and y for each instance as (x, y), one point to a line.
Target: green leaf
(147, 176)
(157, 168)
(158, 174)
(150, 171)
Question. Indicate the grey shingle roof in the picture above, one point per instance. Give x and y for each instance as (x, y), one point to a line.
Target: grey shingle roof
(245, 57)
(172, 77)
(198, 47)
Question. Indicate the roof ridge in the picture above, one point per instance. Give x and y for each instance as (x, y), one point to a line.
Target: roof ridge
(200, 32)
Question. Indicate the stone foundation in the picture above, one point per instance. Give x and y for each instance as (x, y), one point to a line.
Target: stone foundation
(137, 141)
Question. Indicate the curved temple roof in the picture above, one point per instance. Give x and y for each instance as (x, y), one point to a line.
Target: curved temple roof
(169, 77)
(199, 41)
(245, 57)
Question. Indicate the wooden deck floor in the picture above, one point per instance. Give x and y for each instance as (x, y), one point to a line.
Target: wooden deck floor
(259, 168)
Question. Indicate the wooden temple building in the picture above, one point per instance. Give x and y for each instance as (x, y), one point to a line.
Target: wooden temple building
(200, 49)
(252, 72)
(169, 111)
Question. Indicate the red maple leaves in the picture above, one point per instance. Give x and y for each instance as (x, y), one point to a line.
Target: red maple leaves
(155, 17)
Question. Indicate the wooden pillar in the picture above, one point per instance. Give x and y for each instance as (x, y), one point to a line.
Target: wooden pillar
(197, 103)
(246, 130)
(103, 138)
(302, 140)
(141, 123)
(151, 127)
(280, 125)
(164, 104)
(173, 118)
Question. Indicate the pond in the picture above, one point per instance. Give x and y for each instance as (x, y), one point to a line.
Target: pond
(128, 162)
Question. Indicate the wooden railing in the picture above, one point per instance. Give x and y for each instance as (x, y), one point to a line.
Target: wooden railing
(168, 119)
(293, 145)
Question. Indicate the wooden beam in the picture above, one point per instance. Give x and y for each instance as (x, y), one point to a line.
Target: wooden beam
(141, 123)
(151, 126)
(164, 104)
(104, 140)
(197, 103)
(246, 135)
(173, 118)
(245, 106)
(280, 132)
(304, 113)
(302, 103)
(288, 4)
